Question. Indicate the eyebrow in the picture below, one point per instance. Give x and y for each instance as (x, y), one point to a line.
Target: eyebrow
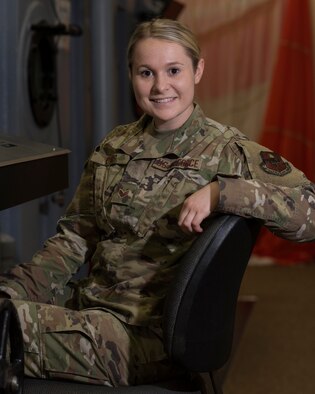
(167, 64)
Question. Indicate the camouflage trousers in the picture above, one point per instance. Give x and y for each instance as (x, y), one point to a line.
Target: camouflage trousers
(90, 346)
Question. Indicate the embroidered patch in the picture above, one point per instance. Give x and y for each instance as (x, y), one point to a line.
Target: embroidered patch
(123, 193)
(273, 163)
(183, 163)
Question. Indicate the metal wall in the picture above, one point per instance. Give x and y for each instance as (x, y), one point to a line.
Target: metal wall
(93, 95)
(28, 225)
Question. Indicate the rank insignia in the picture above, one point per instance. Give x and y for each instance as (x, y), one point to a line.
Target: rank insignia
(273, 163)
(123, 193)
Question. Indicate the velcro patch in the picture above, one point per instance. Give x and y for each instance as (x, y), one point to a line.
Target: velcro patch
(269, 166)
(273, 163)
(183, 163)
(101, 158)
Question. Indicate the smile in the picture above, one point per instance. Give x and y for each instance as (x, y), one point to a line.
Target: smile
(164, 100)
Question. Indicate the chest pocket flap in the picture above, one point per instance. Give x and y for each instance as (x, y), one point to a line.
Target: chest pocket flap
(108, 160)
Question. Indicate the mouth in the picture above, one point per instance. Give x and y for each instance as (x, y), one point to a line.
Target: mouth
(162, 100)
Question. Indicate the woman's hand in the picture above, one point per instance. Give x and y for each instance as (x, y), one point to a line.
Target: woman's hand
(198, 206)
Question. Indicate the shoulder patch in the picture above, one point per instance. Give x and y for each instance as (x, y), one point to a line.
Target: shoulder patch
(272, 163)
(269, 166)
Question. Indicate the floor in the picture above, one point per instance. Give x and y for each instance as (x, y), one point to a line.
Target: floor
(276, 353)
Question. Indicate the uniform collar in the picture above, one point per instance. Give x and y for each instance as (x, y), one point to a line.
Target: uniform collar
(176, 142)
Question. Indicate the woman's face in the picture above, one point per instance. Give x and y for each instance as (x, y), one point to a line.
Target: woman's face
(164, 80)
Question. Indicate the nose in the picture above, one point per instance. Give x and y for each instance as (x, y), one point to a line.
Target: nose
(160, 83)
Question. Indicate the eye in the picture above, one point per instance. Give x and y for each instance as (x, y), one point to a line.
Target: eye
(174, 71)
(145, 73)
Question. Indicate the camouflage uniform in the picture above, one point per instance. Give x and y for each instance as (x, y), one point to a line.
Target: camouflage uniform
(123, 220)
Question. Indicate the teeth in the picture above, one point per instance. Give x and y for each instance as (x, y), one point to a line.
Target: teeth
(165, 100)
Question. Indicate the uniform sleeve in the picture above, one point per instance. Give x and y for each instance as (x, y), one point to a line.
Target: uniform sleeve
(62, 255)
(256, 182)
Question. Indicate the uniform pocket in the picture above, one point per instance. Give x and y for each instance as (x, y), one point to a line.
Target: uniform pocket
(107, 176)
(166, 203)
(69, 348)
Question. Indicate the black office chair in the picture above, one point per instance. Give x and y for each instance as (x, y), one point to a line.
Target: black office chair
(198, 320)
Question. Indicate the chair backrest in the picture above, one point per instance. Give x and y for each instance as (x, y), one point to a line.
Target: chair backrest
(200, 307)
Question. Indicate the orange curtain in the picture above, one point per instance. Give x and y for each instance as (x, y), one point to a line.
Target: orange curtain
(238, 40)
(289, 125)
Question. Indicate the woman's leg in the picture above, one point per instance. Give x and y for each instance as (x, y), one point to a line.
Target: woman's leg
(89, 346)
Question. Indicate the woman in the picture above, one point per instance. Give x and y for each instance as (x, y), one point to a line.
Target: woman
(141, 201)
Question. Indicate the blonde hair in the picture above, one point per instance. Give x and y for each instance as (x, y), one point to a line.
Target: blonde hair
(165, 29)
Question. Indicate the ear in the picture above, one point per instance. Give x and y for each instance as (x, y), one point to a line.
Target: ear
(199, 70)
